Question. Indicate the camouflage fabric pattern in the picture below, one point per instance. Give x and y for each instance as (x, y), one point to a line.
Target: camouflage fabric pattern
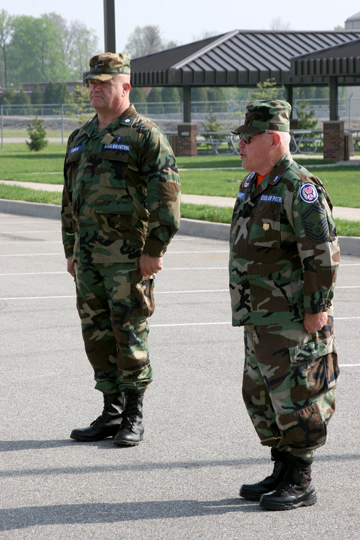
(121, 192)
(289, 384)
(114, 302)
(262, 115)
(284, 253)
(106, 66)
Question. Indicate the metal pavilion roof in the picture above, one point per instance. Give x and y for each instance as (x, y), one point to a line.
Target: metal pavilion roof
(237, 58)
(341, 61)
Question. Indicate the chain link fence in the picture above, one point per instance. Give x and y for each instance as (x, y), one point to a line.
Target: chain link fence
(60, 120)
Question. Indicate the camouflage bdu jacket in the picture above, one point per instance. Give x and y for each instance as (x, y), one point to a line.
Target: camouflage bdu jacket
(284, 252)
(121, 192)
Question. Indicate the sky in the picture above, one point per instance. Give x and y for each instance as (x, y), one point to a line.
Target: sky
(185, 21)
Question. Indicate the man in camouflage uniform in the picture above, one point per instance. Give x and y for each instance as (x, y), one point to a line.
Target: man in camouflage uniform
(120, 210)
(284, 256)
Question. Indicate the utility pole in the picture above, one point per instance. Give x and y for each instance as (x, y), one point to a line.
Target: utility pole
(109, 26)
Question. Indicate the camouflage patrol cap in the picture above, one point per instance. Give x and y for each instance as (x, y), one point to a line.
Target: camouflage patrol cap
(106, 66)
(262, 115)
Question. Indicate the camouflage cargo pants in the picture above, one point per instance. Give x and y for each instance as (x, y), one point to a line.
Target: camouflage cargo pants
(114, 302)
(289, 384)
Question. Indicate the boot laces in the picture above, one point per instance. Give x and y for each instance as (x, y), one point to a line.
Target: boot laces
(104, 416)
(132, 411)
(276, 471)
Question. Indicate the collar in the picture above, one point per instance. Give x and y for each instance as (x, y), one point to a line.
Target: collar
(126, 119)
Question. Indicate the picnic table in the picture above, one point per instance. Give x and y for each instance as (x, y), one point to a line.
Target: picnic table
(221, 143)
(307, 137)
(225, 143)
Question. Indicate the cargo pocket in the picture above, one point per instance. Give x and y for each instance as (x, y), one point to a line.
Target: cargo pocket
(315, 368)
(304, 429)
(142, 294)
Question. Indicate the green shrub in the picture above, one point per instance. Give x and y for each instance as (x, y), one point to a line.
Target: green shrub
(37, 134)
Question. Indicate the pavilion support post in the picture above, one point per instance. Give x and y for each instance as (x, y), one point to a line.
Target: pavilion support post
(289, 97)
(187, 104)
(186, 140)
(109, 26)
(334, 140)
(333, 91)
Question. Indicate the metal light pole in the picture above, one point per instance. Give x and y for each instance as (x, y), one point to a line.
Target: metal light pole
(109, 25)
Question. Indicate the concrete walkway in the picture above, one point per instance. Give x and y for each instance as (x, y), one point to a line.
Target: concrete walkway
(351, 214)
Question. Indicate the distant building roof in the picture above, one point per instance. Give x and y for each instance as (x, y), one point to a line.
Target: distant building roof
(237, 58)
(355, 17)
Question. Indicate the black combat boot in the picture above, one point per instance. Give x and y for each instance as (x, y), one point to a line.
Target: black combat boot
(296, 488)
(106, 425)
(131, 431)
(253, 492)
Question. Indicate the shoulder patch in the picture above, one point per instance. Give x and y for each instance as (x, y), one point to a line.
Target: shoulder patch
(247, 180)
(315, 223)
(308, 193)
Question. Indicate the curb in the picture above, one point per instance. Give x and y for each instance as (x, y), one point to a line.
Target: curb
(349, 245)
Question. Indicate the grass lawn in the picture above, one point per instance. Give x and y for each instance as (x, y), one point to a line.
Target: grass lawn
(191, 211)
(198, 162)
(18, 163)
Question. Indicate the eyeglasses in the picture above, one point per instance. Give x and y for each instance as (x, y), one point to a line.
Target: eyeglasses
(247, 138)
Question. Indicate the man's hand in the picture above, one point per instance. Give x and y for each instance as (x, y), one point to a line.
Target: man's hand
(149, 265)
(313, 323)
(70, 266)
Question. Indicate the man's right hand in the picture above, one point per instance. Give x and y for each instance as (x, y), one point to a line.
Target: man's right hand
(70, 266)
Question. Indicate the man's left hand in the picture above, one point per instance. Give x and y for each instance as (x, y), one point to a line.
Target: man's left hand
(314, 323)
(149, 265)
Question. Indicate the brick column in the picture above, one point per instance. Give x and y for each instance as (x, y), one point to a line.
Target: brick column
(186, 142)
(334, 145)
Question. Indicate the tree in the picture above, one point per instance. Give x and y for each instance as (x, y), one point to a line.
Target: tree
(37, 134)
(83, 46)
(81, 109)
(76, 42)
(306, 117)
(35, 51)
(21, 98)
(199, 93)
(37, 96)
(6, 30)
(50, 93)
(267, 90)
(217, 94)
(212, 125)
(146, 40)
(138, 96)
(62, 93)
(8, 97)
(278, 24)
(155, 99)
(170, 94)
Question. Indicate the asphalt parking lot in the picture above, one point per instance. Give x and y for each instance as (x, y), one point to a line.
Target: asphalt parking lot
(182, 481)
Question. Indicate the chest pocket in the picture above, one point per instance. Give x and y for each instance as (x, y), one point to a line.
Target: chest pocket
(112, 168)
(265, 224)
(71, 168)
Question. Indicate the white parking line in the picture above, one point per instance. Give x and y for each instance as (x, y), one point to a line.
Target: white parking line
(27, 242)
(31, 254)
(29, 232)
